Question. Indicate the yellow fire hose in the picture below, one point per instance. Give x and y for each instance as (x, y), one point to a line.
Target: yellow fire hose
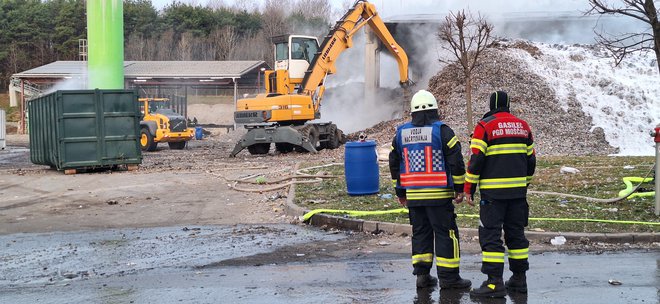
(628, 180)
(628, 192)
(356, 213)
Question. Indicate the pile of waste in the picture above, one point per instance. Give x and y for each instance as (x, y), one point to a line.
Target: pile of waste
(556, 131)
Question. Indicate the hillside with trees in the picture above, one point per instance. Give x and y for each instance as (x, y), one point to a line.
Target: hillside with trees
(34, 32)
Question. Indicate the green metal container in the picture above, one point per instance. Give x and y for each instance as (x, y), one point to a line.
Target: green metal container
(85, 129)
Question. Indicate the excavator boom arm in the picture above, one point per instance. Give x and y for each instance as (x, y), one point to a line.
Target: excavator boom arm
(340, 38)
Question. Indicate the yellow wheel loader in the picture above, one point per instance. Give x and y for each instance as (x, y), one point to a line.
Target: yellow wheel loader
(161, 124)
(295, 88)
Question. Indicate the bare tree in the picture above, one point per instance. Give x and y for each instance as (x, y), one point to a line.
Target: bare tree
(274, 13)
(246, 5)
(186, 46)
(320, 9)
(222, 43)
(274, 22)
(166, 46)
(623, 44)
(136, 47)
(13, 58)
(254, 46)
(216, 4)
(466, 38)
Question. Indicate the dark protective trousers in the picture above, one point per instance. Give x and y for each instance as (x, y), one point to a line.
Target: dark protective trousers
(435, 226)
(512, 217)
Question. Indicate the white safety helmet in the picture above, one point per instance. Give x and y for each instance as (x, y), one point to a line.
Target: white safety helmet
(423, 100)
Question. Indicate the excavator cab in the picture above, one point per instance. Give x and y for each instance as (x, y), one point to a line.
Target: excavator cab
(288, 113)
(295, 53)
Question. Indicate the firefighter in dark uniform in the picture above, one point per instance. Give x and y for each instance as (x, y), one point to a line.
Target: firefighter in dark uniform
(428, 172)
(502, 164)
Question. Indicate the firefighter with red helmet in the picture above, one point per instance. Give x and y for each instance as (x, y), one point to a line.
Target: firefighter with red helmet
(502, 165)
(428, 171)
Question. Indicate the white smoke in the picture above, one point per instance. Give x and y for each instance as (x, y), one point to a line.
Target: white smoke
(542, 21)
(345, 102)
(77, 82)
(548, 21)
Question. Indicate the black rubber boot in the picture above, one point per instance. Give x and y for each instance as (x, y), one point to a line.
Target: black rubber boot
(491, 288)
(426, 280)
(517, 283)
(456, 282)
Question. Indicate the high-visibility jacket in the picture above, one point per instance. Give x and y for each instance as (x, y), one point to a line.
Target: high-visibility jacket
(426, 164)
(423, 164)
(503, 158)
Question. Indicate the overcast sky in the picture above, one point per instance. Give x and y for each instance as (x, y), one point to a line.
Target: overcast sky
(398, 7)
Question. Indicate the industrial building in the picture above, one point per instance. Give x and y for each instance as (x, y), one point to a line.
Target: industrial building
(226, 80)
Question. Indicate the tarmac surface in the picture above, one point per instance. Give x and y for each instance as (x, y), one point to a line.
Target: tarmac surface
(282, 263)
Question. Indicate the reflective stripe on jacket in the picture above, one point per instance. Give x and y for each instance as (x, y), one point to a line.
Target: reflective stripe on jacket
(503, 158)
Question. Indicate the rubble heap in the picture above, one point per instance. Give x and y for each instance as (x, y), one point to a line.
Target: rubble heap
(556, 131)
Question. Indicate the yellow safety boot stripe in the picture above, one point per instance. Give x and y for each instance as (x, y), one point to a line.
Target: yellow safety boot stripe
(447, 263)
(493, 257)
(422, 258)
(519, 254)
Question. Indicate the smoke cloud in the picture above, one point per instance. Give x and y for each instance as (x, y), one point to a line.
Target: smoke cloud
(345, 102)
(545, 21)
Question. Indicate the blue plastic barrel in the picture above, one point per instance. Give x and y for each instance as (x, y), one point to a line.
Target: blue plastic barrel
(361, 167)
(199, 132)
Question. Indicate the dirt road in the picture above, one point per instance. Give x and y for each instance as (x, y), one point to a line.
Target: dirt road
(172, 187)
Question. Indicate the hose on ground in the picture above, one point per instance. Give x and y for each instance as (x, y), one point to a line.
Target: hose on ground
(622, 194)
(233, 183)
(357, 213)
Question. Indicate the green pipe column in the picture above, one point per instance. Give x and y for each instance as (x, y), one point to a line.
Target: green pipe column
(105, 44)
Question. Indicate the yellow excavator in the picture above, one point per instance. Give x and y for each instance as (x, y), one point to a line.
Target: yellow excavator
(295, 88)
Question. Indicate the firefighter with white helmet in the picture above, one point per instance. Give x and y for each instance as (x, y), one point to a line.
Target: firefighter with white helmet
(428, 172)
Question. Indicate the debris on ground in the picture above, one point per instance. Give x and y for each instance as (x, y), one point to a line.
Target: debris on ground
(570, 170)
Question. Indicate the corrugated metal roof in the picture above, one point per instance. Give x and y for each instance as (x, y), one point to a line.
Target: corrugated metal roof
(155, 69)
(56, 69)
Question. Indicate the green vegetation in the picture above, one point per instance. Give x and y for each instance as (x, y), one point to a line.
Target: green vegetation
(12, 112)
(34, 32)
(599, 177)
